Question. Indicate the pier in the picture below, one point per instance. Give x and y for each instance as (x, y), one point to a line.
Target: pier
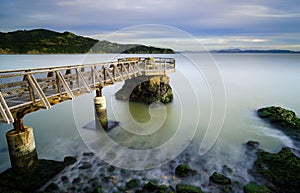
(29, 90)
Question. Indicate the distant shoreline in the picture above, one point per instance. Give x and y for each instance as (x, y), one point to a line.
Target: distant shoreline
(239, 51)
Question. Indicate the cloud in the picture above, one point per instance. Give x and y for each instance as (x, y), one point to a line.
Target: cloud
(198, 17)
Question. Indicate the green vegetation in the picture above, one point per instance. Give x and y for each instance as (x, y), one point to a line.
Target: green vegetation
(42, 41)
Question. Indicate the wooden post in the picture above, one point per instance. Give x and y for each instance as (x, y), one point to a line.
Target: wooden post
(58, 84)
(104, 75)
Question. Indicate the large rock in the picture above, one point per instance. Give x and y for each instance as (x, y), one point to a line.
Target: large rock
(146, 89)
(281, 169)
(285, 119)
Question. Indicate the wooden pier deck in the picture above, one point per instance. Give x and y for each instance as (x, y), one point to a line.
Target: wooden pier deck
(25, 91)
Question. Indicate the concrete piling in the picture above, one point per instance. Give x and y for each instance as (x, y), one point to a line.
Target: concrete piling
(22, 150)
(100, 111)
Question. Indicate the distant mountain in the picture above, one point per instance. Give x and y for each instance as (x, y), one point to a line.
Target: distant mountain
(254, 51)
(42, 41)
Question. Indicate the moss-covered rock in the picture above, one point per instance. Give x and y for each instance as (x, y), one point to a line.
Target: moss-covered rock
(162, 189)
(282, 118)
(186, 188)
(252, 187)
(146, 89)
(281, 169)
(184, 171)
(151, 186)
(134, 183)
(219, 179)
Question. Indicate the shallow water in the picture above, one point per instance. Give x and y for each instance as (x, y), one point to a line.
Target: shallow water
(250, 81)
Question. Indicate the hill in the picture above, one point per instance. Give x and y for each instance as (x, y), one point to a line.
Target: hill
(42, 41)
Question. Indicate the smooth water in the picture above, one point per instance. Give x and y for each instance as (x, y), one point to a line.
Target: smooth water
(250, 81)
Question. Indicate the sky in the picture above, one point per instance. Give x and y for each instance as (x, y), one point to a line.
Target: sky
(216, 24)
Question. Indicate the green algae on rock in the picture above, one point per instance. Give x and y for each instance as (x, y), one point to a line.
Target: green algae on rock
(281, 169)
(219, 179)
(184, 171)
(252, 187)
(186, 188)
(285, 119)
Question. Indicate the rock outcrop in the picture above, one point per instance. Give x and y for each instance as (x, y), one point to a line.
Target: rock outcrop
(284, 119)
(146, 89)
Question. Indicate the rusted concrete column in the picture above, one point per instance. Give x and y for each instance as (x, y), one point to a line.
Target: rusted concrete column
(100, 109)
(22, 150)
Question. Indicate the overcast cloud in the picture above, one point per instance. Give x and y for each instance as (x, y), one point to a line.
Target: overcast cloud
(216, 23)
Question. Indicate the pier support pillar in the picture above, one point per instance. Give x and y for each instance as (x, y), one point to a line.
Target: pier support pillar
(22, 150)
(100, 109)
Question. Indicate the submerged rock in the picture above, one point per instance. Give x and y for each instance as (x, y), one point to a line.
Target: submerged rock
(69, 160)
(85, 165)
(186, 188)
(98, 190)
(134, 183)
(219, 179)
(252, 187)
(252, 144)
(281, 169)
(151, 186)
(146, 89)
(184, 171)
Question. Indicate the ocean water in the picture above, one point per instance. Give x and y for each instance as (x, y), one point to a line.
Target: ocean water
(213, 114)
